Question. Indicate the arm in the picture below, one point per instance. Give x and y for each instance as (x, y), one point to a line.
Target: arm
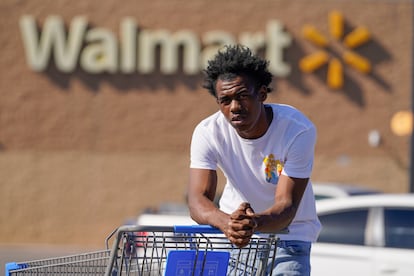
(238, 226)
(289, 190)
(288, 195)
(201, 191)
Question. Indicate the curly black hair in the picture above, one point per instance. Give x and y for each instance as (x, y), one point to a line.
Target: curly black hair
(235, 60)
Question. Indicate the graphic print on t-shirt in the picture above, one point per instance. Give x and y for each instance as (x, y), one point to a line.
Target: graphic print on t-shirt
(272, 168)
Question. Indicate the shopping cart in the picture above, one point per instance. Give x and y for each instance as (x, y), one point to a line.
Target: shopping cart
(91, 263)
(158, 250)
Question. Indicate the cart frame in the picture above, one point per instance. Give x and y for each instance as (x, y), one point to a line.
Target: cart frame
(163, 250)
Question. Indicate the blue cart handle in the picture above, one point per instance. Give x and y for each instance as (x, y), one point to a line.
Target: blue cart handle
(206, 229)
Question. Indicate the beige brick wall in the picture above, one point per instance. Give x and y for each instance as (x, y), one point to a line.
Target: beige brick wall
(79, 153)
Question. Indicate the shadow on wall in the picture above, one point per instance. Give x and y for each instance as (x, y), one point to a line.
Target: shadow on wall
(371, 50)
(124, 82)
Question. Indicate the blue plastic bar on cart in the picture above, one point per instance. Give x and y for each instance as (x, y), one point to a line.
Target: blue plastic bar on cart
(13, 266)
(196, 229)
(208, 229)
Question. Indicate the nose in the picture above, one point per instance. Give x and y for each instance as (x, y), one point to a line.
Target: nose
(235, 106)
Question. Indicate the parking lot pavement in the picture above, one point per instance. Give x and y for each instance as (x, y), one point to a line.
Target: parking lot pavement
(22, 253)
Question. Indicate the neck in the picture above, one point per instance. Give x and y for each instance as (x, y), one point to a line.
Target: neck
(264, 122)
(269, 114)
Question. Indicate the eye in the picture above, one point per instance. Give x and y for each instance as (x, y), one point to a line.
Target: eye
(224, 100)
(243, 96)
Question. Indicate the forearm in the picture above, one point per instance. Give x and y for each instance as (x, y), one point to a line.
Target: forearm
(276, 218)
(201, 192)
(204, 211)
(287, 200)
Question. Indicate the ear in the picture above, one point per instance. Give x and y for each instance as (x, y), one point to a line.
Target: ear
(263, 93)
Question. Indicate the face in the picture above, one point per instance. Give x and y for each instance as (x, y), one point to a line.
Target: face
(242, 105)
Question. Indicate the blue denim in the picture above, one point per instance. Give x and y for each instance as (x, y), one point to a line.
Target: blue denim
(292, 259)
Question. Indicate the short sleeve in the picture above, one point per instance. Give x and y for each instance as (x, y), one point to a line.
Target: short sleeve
(202, 154)
(300, 154)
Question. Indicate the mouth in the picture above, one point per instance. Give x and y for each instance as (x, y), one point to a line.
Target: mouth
(238, 118)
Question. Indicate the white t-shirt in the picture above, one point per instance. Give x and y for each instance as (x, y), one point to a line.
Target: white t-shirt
(252, 166)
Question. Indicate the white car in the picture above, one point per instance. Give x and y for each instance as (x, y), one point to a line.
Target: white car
(365, 235)
(325, 190)
(362, 235)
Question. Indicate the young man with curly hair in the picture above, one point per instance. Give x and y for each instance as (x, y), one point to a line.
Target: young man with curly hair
(266, 153)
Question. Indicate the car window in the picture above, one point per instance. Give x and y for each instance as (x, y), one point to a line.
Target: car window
(320, 196)
(399, 228)
(346, 227)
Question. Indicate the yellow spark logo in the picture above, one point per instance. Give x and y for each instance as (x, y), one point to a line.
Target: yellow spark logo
(356, 38)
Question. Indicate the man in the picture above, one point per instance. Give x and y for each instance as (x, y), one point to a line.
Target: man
(266, 154)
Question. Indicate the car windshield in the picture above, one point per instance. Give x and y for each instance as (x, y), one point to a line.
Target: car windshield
(399, 228)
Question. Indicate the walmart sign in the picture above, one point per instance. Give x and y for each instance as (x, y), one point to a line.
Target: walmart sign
(98, 50)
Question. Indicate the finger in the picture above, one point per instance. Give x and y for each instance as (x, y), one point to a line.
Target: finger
(240, 230)
(243, 206)
(240, 212)
(239, 242)
(238, 215)
(243, 222)
(249, 211)
(236, 234)
(254, 223)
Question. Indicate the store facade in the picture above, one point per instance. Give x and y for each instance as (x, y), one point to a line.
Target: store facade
(98, 99)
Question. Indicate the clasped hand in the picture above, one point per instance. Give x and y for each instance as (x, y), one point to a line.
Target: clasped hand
(242, 225)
